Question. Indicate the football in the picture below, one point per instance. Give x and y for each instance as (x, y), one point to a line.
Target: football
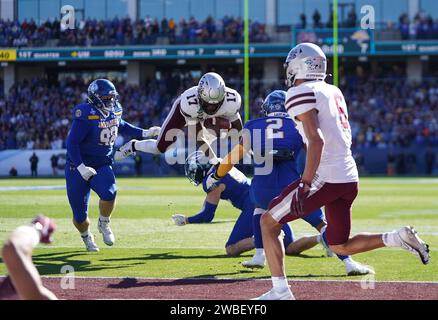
(217, 124)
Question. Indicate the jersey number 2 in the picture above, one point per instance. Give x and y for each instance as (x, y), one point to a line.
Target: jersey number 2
(108, 136)
(273, 130)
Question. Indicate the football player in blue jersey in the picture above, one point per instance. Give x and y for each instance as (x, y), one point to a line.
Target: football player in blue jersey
(275, 143)
(234, 187)
(95, 126)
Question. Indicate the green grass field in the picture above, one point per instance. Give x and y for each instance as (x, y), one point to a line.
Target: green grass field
(150, 245)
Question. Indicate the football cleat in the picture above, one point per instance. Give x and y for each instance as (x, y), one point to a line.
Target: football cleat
(179, 219)
(256, 262)
(125, 151)
(90, 245)
(410, 241)
(354, 268)
(105, 230)
(277, 295)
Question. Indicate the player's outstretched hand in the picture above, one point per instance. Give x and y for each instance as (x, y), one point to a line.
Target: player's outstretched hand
(126, 150)
(86, 172)
(179, 219)
(152, 132)
(300, 194)
(45, 226)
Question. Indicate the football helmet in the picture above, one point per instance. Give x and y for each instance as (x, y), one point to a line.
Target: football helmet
(305, 61)
(211, 92)
(103, 95)
(196, 167)
(274, 104)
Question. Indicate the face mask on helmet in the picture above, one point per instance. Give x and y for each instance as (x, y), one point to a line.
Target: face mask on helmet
(109, 101)
(290, 78)
(210, 108)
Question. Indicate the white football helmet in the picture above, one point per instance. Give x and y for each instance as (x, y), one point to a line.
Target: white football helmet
(305, 61)
(211, 92)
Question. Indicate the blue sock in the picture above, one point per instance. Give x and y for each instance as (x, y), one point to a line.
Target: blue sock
(342, 258)
(258, 240)
(288, 235)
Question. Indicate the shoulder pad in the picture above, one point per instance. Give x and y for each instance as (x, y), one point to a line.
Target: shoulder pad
(189, 103)
(298, 94)
(232, 102)
(81, 111)
(249, 124)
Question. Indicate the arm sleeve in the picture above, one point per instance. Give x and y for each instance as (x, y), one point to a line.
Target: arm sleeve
(129, 129)
(78, 132)
(206, 215)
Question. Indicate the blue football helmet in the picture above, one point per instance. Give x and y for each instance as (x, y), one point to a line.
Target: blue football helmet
(274, 103)
(196, 167)
(103, 94)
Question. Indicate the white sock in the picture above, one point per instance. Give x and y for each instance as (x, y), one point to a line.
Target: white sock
(85, 234)
(391, 239)
(260, 252)
(318, 238)
(348, 260)
(280, 283)
(104, 219)
(148, 146)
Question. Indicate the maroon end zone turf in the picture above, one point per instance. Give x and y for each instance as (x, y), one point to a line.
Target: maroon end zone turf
(216, 289)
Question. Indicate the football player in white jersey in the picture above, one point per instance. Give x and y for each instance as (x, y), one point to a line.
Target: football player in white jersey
(209, 99)
(330, 177)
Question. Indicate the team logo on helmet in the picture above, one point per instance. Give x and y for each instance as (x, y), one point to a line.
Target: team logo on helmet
(93, 86)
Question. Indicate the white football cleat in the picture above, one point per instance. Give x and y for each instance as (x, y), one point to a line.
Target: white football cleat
(125, 151)
(410, 241)
(256, 262)
(355, 268)
(277, 295)
(90, 245)
(179, 219)
(105, 230)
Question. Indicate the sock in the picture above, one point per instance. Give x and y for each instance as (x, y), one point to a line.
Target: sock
(258, 240)
(346, 259)
(391, 239)
(148, 146)
(318, 238)
(104, 219)
(260, 252)
(280, 283)
(85, 234)
(343, 258)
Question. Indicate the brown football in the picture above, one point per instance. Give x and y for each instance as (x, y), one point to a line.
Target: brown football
(217, 123)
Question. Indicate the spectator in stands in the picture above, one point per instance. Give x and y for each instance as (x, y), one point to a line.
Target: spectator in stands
(34, 165)
(303, 21)
(54, 162)
(13, 172)
(317, 19)
(430, 158)
(390, 168)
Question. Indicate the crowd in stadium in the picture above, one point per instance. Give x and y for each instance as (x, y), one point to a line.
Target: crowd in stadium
(37, 115)
(150, 31)
(117, 31)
